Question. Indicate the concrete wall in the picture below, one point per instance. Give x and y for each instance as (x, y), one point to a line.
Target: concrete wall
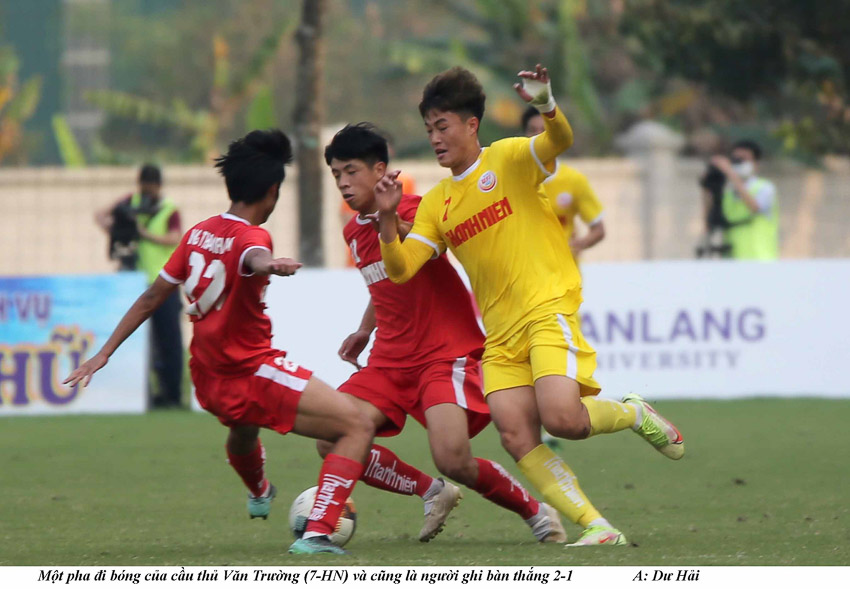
(47, 227)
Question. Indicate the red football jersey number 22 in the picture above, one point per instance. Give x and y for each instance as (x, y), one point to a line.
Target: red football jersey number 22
(209, 296)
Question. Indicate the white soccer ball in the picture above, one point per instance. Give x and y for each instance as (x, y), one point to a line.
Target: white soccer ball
(300, 511)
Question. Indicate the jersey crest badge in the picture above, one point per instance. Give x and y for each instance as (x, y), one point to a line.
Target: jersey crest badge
(564, 199)
(487, 182)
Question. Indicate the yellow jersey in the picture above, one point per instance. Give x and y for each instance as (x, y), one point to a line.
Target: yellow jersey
(570, 194)
(497, 221)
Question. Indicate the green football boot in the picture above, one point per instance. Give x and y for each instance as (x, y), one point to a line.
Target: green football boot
(600, 536)
(262, 505)
(315, 545)
(660, 433)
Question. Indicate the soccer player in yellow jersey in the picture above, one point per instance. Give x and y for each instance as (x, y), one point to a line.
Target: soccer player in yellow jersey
(537, 367)
(570, 194)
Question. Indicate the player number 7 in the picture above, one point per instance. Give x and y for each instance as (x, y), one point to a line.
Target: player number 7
(446, 214)
(212, 293)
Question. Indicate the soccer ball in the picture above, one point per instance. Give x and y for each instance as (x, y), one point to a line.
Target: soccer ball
(300, 511)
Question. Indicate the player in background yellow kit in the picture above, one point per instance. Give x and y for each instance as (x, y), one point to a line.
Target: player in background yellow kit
(492, 214)
(569, 194)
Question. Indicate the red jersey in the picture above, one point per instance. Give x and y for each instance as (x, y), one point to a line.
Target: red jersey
(426, 319)
(232, 333)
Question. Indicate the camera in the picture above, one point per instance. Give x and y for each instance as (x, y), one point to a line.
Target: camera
(124, 234)
(713, 181)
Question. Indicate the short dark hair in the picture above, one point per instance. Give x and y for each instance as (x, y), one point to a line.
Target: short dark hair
(358, 142)
(254, 163)
(529, 114)
(456, 90)
(150, 174)
(750, 145)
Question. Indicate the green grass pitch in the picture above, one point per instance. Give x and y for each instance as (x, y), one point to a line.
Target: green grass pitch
(763, 482)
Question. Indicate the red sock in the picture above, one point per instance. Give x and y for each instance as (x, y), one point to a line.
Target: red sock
(385, 471)
(336, 481)
(497, 485)
(250, 468)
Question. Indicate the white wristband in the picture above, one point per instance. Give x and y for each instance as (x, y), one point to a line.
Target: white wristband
(541, 94)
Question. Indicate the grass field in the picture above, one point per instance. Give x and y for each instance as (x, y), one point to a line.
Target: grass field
(764, 482)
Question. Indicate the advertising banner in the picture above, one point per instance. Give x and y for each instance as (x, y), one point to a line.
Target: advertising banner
(710, 329)
(719, 329)
(49, 325)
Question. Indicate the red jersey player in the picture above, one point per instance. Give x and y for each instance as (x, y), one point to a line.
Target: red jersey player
(224, 264)
(424, 361)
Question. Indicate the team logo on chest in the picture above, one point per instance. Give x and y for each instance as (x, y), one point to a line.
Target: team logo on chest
(487, 181)
(564, 199)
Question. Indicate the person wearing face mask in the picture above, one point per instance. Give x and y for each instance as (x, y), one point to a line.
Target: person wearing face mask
(749, 205)
(144, 230)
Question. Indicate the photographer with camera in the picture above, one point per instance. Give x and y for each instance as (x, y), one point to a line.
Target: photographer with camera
(144, 229)
(741, 205)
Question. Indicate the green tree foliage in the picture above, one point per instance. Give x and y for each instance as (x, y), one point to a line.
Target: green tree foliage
(785, 64)
(216, 83)
(69, 149)
(18, 102)
(714, 69)
(576, 39)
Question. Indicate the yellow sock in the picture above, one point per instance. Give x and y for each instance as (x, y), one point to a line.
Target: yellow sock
(556, 482)
(607, 416)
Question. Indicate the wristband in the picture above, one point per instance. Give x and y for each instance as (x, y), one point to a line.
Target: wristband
(541, 95)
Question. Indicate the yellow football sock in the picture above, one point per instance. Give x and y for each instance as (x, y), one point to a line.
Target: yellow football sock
(556, 482)
(607, 416)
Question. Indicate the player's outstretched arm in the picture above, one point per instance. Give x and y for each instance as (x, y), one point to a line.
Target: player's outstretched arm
(354, 344)
(260, 261)
(145, 305)
(557, 136)
(401, 260)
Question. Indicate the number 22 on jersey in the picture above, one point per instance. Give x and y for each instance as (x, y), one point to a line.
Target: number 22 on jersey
(204, 299)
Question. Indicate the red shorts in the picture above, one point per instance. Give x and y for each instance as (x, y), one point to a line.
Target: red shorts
(268, 398)
(399, 392)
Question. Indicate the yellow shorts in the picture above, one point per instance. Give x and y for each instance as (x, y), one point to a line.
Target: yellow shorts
(547, 346)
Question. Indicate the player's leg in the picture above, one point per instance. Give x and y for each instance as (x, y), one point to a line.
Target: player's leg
(246, 455)
(516, 415)
(326, 414)
(245, 452)
(448, 437)
(564, 413)
(563, 364)
(168, 351)
(384, 470)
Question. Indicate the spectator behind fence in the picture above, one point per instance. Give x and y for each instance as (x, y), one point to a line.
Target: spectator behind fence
(144, 229)
(570, 194)
(749, 205)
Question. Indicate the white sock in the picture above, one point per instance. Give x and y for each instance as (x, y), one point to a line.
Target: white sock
(639, 416)
(436, 486)
(537, 516)
(600, 521)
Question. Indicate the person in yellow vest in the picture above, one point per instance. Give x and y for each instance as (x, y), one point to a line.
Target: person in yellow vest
(144, 230)
(749, 204)
(570, 194)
